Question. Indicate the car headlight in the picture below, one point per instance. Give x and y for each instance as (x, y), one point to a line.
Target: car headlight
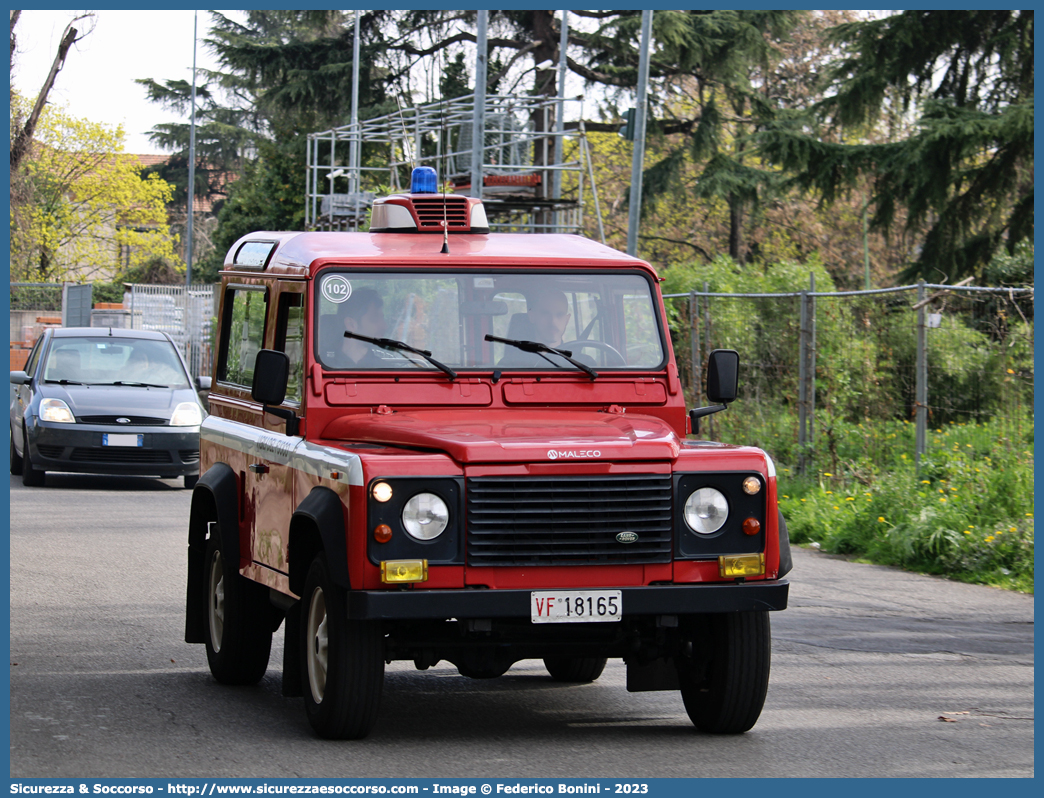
(706, 510)
(425, 516)
(187, 414)
(56, 410)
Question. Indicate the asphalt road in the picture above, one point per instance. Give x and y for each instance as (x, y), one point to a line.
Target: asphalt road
(866, 663)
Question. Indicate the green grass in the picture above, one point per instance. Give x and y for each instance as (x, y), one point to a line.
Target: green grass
(968, 513)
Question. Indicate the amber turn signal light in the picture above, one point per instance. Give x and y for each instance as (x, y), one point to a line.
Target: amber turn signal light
(382, 533)
(751, 526)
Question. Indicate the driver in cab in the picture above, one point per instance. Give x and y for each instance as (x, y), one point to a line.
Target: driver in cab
(547, 314)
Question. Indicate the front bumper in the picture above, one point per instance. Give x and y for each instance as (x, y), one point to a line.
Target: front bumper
(78, 448)
(651, 600)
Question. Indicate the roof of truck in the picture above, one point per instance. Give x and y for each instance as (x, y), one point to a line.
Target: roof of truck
(301, 253)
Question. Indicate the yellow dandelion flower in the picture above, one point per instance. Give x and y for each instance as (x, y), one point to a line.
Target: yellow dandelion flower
(830, 493)
(1011, 371)
(942, 499)
(1013, 529)
(989, 539)
(849, 499)
(836, 507)
(966, 532)
(785, 496)
(825, 474)
(881, 518)
(926, 482)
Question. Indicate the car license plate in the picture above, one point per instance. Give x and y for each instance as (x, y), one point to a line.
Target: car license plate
(575, 606)
(112, 439)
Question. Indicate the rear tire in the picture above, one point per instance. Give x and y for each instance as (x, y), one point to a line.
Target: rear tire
(724, 682)
(575, 669)
(239, 636)
(16, 459)
(32, 477)
(342, 660)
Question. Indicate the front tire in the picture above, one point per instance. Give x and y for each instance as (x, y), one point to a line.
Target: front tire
(16, 459)
(190, 480)
(239, 636)
(724, 679)
(575, 669)
(32, 477)
(342, 660)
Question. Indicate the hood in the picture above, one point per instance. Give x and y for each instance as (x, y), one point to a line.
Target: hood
(107, 400)
(499, 436)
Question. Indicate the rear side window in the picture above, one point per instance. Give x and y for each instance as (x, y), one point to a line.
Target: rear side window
(243, 334)
(290, 326)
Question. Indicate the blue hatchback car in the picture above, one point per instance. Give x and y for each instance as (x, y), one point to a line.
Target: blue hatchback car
(103, 400)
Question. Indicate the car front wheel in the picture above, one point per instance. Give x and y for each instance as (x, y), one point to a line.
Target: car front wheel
(32, 477)
(342, 660)
(724, 672)
(16, 459)
(575, 669)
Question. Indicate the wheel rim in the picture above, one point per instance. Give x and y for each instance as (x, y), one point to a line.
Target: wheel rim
(318, 642)
(216, 601)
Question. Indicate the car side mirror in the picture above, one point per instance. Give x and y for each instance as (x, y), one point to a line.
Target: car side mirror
(203, 383)
(723, 375)
(20, 378)
(271, 376)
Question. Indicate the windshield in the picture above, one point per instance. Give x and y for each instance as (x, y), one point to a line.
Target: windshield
(607, 321)
(106, 361)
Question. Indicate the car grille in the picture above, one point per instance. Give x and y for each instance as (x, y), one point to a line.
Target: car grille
(135, 421)
(568, 520)
(53, 452)
(189, 455)
(120, 454)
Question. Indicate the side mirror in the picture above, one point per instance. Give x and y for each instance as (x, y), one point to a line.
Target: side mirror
(271, 376)
(19, 378)
(723, 375)
(203, 383)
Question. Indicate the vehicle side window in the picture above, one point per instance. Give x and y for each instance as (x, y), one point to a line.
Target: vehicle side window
(34, 357)
(243, 334)
(290, 326)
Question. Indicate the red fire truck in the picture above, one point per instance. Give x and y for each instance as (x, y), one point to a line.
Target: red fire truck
(471, 447)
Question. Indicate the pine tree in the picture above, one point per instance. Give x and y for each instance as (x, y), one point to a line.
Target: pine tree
(965, 172)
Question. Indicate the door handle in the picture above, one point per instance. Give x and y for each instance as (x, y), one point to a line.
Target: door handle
(258, 468)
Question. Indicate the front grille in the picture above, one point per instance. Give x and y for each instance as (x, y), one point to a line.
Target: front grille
(430, 212)
(120, 454)
(54, 452)
(568, 520)
(135, 421)
(189, 455)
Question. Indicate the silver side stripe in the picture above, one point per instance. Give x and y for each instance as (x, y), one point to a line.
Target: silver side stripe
(288, 450)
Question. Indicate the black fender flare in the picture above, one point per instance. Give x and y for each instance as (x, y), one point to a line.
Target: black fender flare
(323, 510)
(215, 497)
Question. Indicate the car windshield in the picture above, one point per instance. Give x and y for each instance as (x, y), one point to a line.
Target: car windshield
(607, 321)
(109, 361)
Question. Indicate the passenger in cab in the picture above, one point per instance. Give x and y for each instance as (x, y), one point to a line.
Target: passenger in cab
(361, 313)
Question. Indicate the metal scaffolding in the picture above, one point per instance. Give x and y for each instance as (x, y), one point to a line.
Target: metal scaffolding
(523, 178)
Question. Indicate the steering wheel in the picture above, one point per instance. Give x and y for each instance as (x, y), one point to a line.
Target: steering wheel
(612, 355)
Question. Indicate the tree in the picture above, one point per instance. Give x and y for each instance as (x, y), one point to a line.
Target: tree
(965, 171)
(80, 207)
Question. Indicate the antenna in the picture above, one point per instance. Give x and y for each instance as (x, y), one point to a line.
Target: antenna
(445, 169)
(407, 149)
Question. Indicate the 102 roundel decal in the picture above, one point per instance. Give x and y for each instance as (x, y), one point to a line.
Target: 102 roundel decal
(336, 288)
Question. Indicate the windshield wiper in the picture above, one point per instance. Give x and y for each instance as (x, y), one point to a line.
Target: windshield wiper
(538, 348)
(391, 343)
(69, 382)
(135, 384)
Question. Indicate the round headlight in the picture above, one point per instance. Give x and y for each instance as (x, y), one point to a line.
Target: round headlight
(187, 414)
(706, 510)
(425, 516)
(56, 410)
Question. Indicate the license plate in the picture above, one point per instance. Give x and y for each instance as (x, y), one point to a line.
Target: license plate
(112, 439)
(575, 606)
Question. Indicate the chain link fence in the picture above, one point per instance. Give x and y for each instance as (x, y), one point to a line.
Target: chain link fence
(832, 378)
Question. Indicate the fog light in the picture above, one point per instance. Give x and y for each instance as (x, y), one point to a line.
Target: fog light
(382, 491)
(751, 485)
(732, 565)
(751, 526)
(382, 533)
(397, 571)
